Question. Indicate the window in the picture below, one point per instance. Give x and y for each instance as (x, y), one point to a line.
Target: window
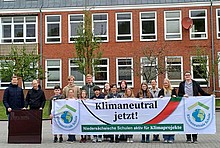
(19, 29)
(174, 70)
(124, 27)
(100, 26)
(172, 25)
(53, 29)
(101, 74)
(75, 22)
(124, 69)
(4, 82)
(199, 69)
(219, 70)
(53, 73)
(28, 83)
(199, 28)
(148, 27)
(74, 70)
(148, 69)
(218, 23)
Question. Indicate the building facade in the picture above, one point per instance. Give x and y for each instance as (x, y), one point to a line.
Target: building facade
(131, 32)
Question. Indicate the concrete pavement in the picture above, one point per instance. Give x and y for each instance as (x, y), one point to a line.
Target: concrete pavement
(205, 141)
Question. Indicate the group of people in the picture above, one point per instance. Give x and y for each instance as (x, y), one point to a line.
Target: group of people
(14, 99)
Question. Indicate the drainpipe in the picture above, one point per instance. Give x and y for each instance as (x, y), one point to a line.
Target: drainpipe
(41, 37)
(213, 48)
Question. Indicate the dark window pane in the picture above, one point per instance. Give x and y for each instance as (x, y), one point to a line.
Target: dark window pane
(124, 28)
(198, 25)
(53, 30)
(18, 31)
(148, 27)
(30, 30)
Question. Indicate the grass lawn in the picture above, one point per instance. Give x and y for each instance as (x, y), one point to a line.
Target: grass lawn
(4, 117)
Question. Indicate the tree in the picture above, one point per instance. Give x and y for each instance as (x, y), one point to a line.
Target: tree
(21, 63)
(201, 67)
(149, 67)
(87, 47)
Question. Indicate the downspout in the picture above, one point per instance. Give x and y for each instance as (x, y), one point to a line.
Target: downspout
(41, 37)
(213, 48)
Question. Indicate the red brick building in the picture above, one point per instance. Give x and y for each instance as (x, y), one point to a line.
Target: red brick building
(126, 28)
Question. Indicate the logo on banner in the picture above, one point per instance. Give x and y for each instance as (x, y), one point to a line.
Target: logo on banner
(198, 115)
(67, 117)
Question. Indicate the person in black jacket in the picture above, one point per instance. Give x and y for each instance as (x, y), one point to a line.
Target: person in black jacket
(35, 97)
(13, 97)
(188, 88)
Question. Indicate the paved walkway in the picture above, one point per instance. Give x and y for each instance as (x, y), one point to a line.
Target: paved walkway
(205, 141)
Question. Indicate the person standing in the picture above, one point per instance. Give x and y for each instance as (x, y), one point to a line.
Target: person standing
(190, 87)
(35, 97)
(144, 92)
(89, 86)
(71, 85)
(167, 91)
(154, 90)
(70, 96)
(13, 98)
(123, 87)
(97, 95)
(56, 96)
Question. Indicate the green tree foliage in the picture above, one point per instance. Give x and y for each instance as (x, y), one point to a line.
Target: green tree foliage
(87, 47)
(21, 63)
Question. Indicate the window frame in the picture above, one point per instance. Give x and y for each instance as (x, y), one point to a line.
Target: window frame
(173, 18)
(46, 29)
(199, 80)
(206, 25)
(107, 66)
(69, 26)
(217, 23)
(117, 70)
(181, 72)
(131, 27)
(24, 27)
(155, 25)
(46, 74)
(78, 83)
(107, 32)
(147, 65)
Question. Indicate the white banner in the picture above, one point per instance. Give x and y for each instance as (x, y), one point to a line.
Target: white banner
(135, 116)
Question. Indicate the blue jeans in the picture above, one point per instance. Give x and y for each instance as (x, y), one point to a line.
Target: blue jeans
(168, 137)
(71, 138)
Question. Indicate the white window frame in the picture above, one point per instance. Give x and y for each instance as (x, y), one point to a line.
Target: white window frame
(206, 26)
(78, 83)
(46, 68)
(147, 65)
(12, 24)
(132, 73)
(155, 26)
(107, 36)
(107, 66)
(181, 65)
(69, 26)
(131, 27)
(174, 18)
(201, 80)
(46, 29)
(217, 24)
(7, 83)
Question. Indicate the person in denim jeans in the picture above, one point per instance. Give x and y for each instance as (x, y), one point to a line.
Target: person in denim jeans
(167, 91)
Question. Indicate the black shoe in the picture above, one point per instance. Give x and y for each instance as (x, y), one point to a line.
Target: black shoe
(55, 139)
(60, 139)
(117, 141)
